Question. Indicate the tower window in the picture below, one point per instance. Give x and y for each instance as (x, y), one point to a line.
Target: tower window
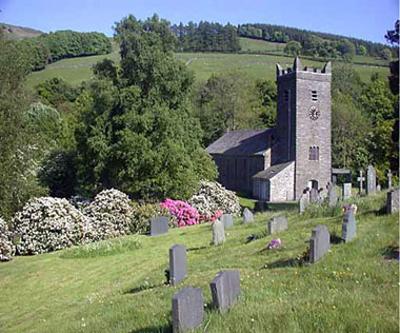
(313, 154)
(314, 95)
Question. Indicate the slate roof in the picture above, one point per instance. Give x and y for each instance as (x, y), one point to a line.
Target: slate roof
(272, 170)
(242, 142)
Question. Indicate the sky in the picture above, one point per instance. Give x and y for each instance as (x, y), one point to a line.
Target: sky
(365, 19)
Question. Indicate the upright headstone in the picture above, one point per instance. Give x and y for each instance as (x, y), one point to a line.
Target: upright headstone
(225, 288)
(346, 191)
(314, 196)
(360, 180)
(158, 225)
(349, 227)
(389, 177)
(218, 232)
(187, 309)
(332, 195)
(319, 242)
(277, 224)
(177, 264)
(303, 201)
(392, 201)
(227, 220)
(378, 188)
(371, 180)
(247, 216)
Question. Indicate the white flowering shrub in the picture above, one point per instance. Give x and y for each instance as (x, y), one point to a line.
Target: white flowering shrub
(212, 197)
(109, 214)
(48, 224)
(7, 248)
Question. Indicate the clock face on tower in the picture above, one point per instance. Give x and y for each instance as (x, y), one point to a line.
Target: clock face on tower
(314, 113)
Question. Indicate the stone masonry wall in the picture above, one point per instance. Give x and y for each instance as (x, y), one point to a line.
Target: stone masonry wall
(282, 185)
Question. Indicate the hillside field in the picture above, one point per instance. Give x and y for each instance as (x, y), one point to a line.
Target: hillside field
(256, 66)
(117, 287)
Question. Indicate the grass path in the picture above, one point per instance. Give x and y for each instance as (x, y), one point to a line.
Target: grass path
(352, 289)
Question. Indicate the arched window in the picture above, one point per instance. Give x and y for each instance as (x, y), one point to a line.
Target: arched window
(313, 154)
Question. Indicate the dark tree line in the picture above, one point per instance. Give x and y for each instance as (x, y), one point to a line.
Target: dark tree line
(47, 48)
(206, 37)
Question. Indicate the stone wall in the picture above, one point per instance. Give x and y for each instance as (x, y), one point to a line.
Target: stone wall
(282, 185)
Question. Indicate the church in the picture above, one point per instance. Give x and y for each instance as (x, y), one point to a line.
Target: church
(277, 164)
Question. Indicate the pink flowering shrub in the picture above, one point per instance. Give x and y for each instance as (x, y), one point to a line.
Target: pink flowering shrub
(182, 212)
(216, 215)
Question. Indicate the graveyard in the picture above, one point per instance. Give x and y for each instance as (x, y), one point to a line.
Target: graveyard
(352, 287)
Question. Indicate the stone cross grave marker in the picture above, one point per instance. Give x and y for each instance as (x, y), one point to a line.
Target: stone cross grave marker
(225, 289)
(392, 201)
(218, 232)
(187, 309)
(314, 195)
(247, 216)
(347, 191)
(319, 242)
(349, 226)
(158, 225)
(371, 180)
(227, 220)
(389, 177)
(332, 195)
(177, 264)
(277, 224)
(361, 179)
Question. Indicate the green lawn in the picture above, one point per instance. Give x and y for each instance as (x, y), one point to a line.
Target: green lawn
(352, 289)
(204, 65)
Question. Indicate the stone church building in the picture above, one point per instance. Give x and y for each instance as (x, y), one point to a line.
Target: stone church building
(278, 164)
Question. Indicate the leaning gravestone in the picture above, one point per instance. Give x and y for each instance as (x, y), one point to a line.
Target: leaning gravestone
(187, 309)
(276, 224)
(371, 180)
(158, 225)
(218, 232)
(319, 242)
(177, 264)
(332, 196)
(349, 226)
(227, 220)
(225, 288)
(247, 216)
(392, 201)
(346, 191)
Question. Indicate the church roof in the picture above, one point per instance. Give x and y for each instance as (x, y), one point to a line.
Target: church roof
(272, 170)
(242, 142)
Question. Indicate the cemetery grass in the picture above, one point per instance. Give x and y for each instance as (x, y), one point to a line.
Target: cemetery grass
(254, 66)
(353, 288)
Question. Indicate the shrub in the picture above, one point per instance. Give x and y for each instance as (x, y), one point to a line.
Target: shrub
(183, 213)
(7, 248)
(141, 215)
(48, 224)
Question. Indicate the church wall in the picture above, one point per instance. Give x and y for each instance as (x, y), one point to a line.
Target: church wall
(282, 185)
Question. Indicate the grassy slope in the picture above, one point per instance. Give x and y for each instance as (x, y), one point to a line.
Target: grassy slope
(203, 64)
(352, 289)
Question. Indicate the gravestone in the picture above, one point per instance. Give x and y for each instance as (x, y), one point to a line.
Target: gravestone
(332, 195)
(225, 289)
(360, 180)
(392, 201)
(247, 216)
(218, 232)
(371, 180)
(314, 196)
(158, 225)
(389, 177)
(187, 309)
(346, 191)
(349, 226)
(319, 242)
(276, 224)
(227, 220)
(177, 264)
(304, 201)
(378, 188)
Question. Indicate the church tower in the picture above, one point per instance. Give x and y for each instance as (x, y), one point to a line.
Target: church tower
(304, 124)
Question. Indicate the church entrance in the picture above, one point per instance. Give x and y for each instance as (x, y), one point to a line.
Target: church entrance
(313, 184)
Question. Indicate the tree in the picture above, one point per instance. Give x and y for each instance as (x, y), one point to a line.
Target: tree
(346, 48)
(393, 35)
(362, 50)
(267, 93)
(139, 134)
(386, 54)
(293, 48)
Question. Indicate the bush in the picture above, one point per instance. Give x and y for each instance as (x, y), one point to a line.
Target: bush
(141, 215)
(183, 213)
(7, 248)
(48, 224)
